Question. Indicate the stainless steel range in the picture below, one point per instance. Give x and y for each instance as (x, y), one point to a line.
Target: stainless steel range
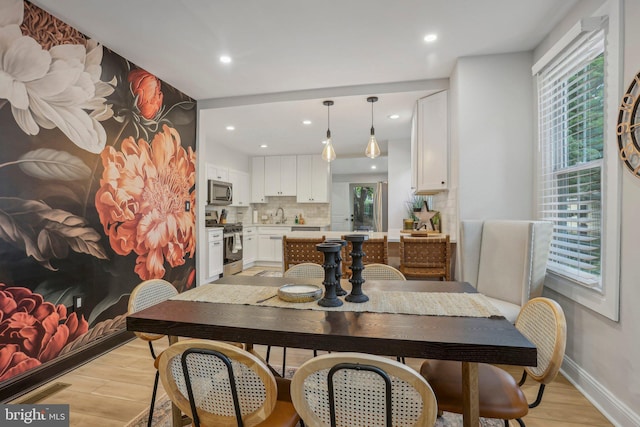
(232, 263)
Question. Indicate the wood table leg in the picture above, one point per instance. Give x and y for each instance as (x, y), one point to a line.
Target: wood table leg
(470, 409)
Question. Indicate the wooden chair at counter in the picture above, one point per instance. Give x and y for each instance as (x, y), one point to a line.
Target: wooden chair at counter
(425, 257)
(298, 250)
(376, 252)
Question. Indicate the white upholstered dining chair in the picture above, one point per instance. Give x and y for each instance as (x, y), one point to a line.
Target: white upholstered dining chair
(506, 260)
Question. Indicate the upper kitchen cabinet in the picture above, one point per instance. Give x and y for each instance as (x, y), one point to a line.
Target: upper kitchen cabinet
(241, 192)
(280, 176)
(313, 179)
(430, 145)
(217, 173)
(257, 180)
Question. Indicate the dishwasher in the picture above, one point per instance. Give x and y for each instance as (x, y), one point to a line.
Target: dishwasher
(304, 228)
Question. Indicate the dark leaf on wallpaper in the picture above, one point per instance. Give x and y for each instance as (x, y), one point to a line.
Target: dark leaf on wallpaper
(61, 194)
(180, 113)
(58, 291)
(45, 233)
(64, 229)
(20, 235)
(105, 304)
(46, 164)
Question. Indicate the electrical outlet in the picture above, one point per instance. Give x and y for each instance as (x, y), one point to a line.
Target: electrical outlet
(77, 303)
(187, 206)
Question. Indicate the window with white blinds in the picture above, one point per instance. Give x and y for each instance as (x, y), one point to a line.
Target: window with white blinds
(571, 117)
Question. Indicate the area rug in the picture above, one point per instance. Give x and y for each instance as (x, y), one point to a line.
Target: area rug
(269, 273)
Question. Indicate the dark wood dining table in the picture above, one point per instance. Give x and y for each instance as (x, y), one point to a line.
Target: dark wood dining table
(470, 340)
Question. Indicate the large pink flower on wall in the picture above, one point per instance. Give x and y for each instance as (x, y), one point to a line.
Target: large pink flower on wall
(32, 331)
(142, 201)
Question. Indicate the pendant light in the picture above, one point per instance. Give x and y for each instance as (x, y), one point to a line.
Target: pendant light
(328, 154)
(372, 150)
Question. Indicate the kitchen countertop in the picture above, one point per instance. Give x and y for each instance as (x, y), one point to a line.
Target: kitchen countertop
(392, 236)
(288, 224)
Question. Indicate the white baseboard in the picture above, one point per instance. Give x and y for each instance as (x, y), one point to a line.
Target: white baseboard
(619, 414)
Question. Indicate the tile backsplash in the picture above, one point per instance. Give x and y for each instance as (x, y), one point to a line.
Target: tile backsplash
(313, 213)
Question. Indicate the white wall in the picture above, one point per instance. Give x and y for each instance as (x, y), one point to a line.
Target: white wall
(399, 179)
(493, 114)
(602, 355)
(225, 157)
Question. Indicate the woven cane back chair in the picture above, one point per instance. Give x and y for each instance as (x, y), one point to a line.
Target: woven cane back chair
(305, 270)
(424, 257)
(218, 384)
(353, 389)
(381, 272)
(298, 250)
(146, 294)
(376, 252)
(542, 321)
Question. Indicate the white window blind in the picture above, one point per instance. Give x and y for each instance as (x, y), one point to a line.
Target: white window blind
(571, 116)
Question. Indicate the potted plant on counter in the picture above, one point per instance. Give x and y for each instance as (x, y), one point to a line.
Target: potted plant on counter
(414, 204)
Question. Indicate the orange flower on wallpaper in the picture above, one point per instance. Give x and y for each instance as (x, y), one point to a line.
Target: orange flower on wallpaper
(32, 331)
(146, 88)
(141, 201)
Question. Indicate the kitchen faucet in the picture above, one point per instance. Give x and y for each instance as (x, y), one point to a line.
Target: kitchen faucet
(283, 217)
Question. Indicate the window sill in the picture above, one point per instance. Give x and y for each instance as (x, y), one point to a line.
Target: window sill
(602, 302)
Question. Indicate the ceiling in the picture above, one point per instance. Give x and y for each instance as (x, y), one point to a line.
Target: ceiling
(290, 55)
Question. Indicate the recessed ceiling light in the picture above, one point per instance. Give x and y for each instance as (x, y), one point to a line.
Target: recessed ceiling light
(430, 38)
(394, 116)
(373, 167)
(263, 145)
(306, 122)
(225, 59)
(231, 128)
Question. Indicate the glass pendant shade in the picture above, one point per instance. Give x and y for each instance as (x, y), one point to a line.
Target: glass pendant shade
(373, 150)
(328, 154)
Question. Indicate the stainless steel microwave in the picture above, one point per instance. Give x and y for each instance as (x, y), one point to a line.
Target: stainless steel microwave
(220, 193)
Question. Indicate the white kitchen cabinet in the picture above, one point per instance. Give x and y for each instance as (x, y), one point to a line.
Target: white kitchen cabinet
(241, 192)
(218, 173)
(270, 243)
(249, 246)
(431, 145)
(280, 176)
(215, 253)
(313, 179)
(257, 180)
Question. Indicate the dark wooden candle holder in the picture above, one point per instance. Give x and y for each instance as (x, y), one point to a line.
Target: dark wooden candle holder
(330, 250)
(356, 267)
(339, 291)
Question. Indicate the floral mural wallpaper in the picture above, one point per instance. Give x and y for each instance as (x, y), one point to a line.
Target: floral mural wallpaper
(97, 185)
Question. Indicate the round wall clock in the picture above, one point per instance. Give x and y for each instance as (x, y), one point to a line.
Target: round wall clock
(628, 129)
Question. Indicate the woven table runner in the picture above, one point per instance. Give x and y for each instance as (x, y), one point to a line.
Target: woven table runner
(420, 303)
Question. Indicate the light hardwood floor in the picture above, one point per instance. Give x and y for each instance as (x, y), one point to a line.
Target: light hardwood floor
(112, 389)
